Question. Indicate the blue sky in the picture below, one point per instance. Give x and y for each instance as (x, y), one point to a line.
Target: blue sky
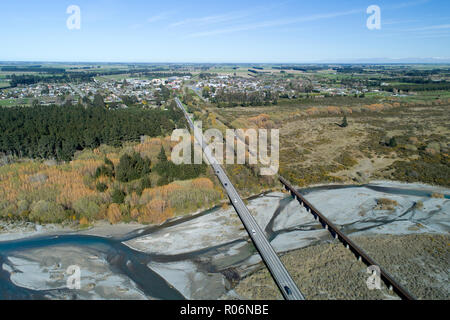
(223, 31)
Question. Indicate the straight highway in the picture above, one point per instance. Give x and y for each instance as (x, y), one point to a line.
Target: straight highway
(279, 273)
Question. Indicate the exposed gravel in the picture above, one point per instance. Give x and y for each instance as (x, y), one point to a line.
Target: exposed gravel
(421, 263)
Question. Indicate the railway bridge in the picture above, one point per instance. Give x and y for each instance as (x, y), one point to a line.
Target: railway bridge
(346, 241)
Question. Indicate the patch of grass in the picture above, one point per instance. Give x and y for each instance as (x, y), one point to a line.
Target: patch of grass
(437, 196)
(386, 204)
(346, 160)
(4, 84)
(8, 102)
(429, 169)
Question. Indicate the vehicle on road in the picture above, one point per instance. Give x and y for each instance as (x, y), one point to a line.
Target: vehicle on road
(288, 290)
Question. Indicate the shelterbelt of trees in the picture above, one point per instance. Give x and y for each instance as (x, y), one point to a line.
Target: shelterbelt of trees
(59, 131)
(233, 99)
(50, 77)
(47, 75)
(437, 86)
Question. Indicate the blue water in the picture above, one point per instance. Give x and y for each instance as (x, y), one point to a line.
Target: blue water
(121, 258)
(133, 264)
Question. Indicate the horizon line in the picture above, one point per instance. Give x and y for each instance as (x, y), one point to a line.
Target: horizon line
(339, 61)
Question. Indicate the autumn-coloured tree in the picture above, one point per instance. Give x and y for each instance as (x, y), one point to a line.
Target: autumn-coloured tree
(84, 221)
(156, 211)
(202, 183)
(114, 213)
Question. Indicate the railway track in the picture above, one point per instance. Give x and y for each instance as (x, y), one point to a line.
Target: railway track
(390, 282)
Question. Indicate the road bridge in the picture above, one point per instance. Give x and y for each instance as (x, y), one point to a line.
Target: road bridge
(282, 278)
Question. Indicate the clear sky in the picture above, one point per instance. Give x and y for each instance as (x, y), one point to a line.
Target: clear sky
(223, 31)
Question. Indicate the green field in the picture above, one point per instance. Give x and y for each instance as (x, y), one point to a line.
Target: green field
(15, 102)
(427, 96)
(7, 103)
(116, 77)
(4, 84)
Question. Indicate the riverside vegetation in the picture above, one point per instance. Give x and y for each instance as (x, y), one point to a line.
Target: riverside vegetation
(73, 176)
(72, 164)
(135, 182)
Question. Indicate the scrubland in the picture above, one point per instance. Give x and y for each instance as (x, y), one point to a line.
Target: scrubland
(392, 138)
(76, 193)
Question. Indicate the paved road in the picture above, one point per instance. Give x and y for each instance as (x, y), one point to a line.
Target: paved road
(198, 91)
(81, 94)
(279, 273)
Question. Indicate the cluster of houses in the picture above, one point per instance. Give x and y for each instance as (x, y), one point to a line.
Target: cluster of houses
(283, 87)
(37, 91)
(248, 85)
(112, 90)
(146, 90)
